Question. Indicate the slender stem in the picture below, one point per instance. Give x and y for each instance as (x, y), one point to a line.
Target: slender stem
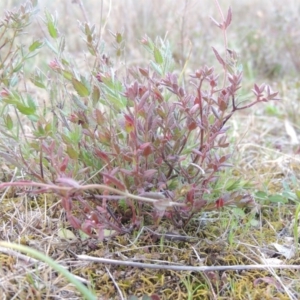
(224, 37)
(184, 267)
(77, 187)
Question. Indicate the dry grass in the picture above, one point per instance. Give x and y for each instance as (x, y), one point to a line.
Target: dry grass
(266, 153)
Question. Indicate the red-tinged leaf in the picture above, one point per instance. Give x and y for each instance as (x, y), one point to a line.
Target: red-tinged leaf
(224, 158)
(74, 222)
(143, 99)
(94, 217)
(154, 297)
(158, 96)
(149, 173)
(87, 227)
(228, 18)
(145, 145)
(113, 181)
(219, 58)
(146, 148)
(129, 124)
(199, 204)
(262, 87)
(102, 155)
(191, 124)
(104, 137)
(225, 145)
(147, 151)
(215, 112)
(127, 172)
(144, 72)
(64, 164)
(100, 118)
(197, 100)
(230, 78)
(223, 130)
(197, 152)
(190, 196)
(222, 105)
(272, 96)
(194, 108)
(220, 203)
(66, 203)
(256, 89)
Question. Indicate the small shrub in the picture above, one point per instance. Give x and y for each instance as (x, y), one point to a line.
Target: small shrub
(154, 146)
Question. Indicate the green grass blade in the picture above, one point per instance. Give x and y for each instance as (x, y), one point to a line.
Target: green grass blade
(42, 257)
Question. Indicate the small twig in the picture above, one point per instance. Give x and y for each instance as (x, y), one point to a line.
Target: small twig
(115, 283)
(18, 255)
(83, 10)
(76, 187)
(30, 260)
(184, 268)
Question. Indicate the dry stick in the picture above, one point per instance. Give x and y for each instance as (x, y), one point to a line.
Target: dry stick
(183, 268)
(76, 187)
(30, 260)
(25, 258)
(115, 283)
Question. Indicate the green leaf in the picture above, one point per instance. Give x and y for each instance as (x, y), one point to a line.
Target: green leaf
(254, 222)
(277, 199)
(35, 45)
(261, 195)
(79, 103)
(298, 194)
(95, 95)
(18, 66)
(31, 103)
(37, 80)
(119, 38)
(51, 25)
(62, 45)
(72, 152)
(8, 122)
(66, 234)
(25, 110)
(156, 67)
(238, 212)
(80, 88)
(157, 56)
(33, 118)
(66, 139)
(68, 75)
(14, 80)
(85, 292)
